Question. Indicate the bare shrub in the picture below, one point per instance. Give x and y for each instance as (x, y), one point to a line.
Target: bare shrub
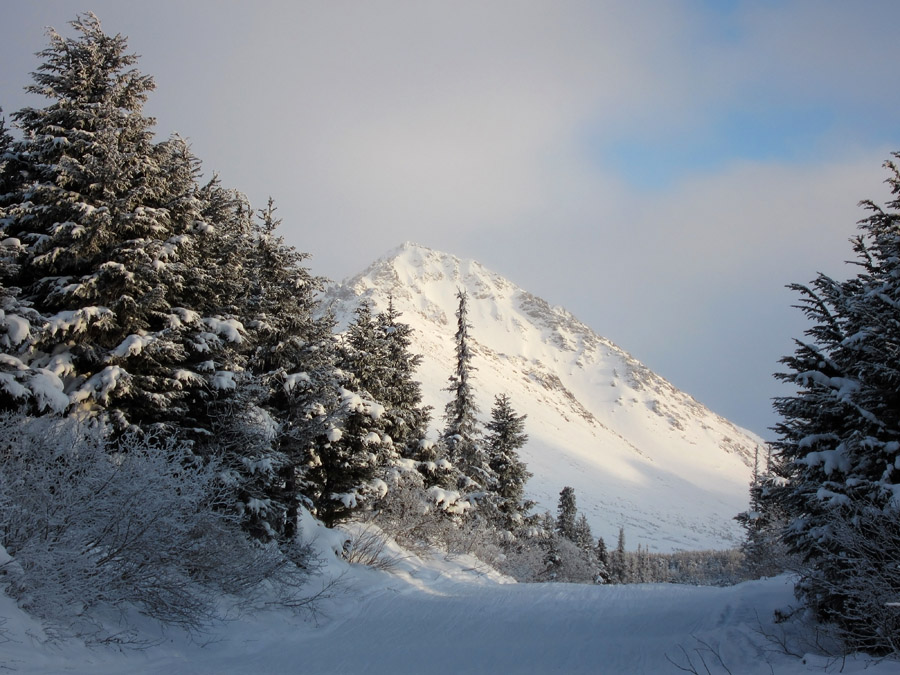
(525, 560)
(409, 516)
(475, 537)
(860, 590)
(88, 522)
(366, 546)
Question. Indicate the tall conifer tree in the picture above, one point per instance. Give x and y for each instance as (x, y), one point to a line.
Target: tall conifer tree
(112, 227)
(506, 435)
(566, 514)
(839, 446)
(462, 432)
(402, 392)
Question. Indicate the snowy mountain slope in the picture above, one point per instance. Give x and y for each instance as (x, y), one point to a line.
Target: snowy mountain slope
(639, 453)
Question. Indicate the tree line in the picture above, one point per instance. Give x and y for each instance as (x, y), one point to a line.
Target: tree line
(151, 318)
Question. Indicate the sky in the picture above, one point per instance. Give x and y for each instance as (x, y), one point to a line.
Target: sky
(660, 168)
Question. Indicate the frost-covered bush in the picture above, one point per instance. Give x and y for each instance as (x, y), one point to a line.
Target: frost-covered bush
(367, 544)
(89, 522)
(525, 561)
(433, 520)
(567, 562)
(418, 518)
(866, 576)
(406, 514)
(474, 536)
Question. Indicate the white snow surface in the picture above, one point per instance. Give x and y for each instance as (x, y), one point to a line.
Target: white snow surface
(17, 328)
(639, 453)
(433, 615)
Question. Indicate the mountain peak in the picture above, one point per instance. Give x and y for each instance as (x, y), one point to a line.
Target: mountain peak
(638, 451)
(406, 246)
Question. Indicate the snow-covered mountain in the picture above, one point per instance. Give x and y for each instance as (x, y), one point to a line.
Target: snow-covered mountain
(639, 452)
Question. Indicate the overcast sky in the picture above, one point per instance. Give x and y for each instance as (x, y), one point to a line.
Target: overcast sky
(662, 169)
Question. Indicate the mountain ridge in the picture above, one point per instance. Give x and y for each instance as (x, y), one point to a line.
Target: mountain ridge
(640, 453)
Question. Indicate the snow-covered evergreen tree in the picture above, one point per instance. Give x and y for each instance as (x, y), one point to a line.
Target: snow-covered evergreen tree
(375, 353)
(291, 358)
(839, 445)
(5, 143)
(583, 535)
(363, 354)
(601, 554)
(618, 564)
(112, 225)
(764, 551)
(292, 406)
(462, 431)
(351, 461)
(18, 319)
(506, 434)
(601, 551)
(341, 474)
(401, 392)
(566, 513)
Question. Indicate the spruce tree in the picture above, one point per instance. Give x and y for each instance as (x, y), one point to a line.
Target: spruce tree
(376, 353)
(764, 552)
(5, 143)
(350, 464)
(583, 535)
(506, 434)
(112, 226)
(602, 552)
(284, 368)
(566, 513)
(339, 478)
(17, 318)
(363, 354)
(462, 432)
(402, 392)
(839, 436)
(618, 564)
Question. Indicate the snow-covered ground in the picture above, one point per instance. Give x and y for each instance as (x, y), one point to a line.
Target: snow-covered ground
(433, 616)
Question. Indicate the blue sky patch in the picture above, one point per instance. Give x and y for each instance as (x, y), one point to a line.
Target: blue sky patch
(765, 134)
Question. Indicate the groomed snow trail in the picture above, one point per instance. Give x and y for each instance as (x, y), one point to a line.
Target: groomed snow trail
(434, 624)
(452, 626)
(433, 615)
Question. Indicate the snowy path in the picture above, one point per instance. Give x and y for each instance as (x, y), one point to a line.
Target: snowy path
(519, 629)
(432, 617)
(457, 627)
